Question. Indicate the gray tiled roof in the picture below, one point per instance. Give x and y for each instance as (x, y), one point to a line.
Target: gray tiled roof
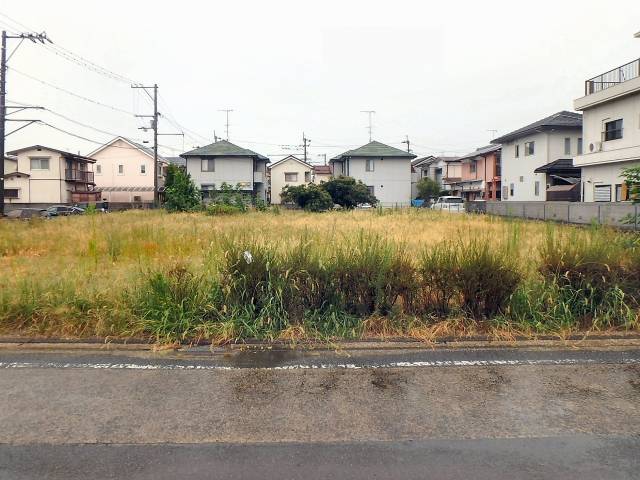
(560, 120)
(481, 151)
(375, 149)
(179, 161)
(223, 148)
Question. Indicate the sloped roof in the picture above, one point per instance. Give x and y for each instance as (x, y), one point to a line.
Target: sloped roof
(223, 148)
(375, 149)
(560, 120)
(144, 149)
(291, 157)
(560, 165)
(179, 161)
(481, 151)
(61, 152)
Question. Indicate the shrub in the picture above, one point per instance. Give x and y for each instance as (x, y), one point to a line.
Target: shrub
(181, 194)
(348, 193)
(427, 188)
(260, 205)
(310, 197)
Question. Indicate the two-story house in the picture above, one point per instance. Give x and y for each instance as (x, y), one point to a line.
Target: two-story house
(441, 170)
(44, 176)
(611, 132)
(481, 174)
(124, 171)
(385, 170)
(290, 171)
(223, 162)
(558, 136)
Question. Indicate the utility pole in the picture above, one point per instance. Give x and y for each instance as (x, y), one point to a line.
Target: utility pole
(305, 143)
(227, 111)
(154, 125)
(370, 127)
(34, 37)
(408, 143)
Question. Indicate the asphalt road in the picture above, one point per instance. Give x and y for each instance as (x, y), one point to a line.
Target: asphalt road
(445, 414)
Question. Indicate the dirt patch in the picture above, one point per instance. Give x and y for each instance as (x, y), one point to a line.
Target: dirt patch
(256, 384)
(490, 379)
(323, 383)
(385, 380)
(634, 374)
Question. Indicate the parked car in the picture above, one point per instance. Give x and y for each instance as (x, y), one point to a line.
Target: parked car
(63, 210)
(449, 204)
(25, 213)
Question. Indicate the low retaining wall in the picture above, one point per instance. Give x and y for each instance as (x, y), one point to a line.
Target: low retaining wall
(614, 214)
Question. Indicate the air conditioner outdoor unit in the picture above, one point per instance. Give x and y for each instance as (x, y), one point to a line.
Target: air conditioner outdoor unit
(595, 147)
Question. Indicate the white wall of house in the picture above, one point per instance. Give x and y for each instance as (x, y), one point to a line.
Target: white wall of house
(45, 185)
(123, 165)
(518, 172)
(230, 170)
(321, 177)
(390, 178)
(603, 164)
(603, 180)
(288, 168)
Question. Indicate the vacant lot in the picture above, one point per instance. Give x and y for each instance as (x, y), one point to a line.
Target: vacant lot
(292, 274)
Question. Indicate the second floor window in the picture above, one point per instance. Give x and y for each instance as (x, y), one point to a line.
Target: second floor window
(567, 146)
(517, 151)
(208, 165)
(370, 166)
(579, 146)
(143, 169)
(473, 166)
(120, 169)
(99, 169)
(39, 163)
(291, 176)
(613, 130)
(529, 148)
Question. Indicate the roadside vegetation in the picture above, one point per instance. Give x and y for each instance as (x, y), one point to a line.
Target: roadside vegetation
(296, 275)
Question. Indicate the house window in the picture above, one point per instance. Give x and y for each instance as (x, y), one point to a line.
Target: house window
(120, 169)
(521, 179)
(511, 189)
(517, 151)
(505, 192)
(473, 166)
(207, 191)
(98, 169)
(602, 193)
(613, 130)
(39, 163)
(137, 198)
(537, 188)
(529, 148)
(567, 146)
(207, 165)
(371, 189)
(291, 176)
(11, 193)
(370, 166)
(307, 177)
(579, 146)
(143, 169)
(619, 192)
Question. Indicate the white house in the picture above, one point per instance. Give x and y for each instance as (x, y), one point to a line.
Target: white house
(558, 136)
(385, 170)
(223, 162)
(124, 171)
(611, 132)
(289, 171)
(445, 171)
(43, 176)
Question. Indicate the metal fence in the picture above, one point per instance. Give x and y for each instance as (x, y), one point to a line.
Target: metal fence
(612, 77)
(622, 215)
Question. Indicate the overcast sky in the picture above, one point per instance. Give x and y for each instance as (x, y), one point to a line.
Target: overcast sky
(442, 73)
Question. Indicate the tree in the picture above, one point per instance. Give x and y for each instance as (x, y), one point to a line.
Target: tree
(310, 197)
(632, 179)
(180, 193)
(428, 188)
(348, 193)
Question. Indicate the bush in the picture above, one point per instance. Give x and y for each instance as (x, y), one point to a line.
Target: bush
(309, 197)
(181, 194)
(348, 193)
(427, 188)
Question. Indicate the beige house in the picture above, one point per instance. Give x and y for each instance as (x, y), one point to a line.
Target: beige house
(124, 171)
(44, 176)
(289, 171)
(321, 173)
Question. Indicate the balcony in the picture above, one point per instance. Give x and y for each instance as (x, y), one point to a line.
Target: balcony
(83, 176)
(613, 77)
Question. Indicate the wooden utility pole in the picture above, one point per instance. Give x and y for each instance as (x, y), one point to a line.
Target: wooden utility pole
(305, 143)
(408, 143)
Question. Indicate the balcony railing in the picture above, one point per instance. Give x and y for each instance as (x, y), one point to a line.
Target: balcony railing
(612, 77)
(73, 175)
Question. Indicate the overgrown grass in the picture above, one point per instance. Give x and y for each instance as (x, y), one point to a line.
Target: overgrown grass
(294, 275)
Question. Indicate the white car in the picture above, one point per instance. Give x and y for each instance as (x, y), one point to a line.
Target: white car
(449, 204)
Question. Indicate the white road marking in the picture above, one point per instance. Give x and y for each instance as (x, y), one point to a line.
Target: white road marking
(435, 363)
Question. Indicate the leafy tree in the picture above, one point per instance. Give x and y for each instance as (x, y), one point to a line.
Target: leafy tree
(181, 194)
(428, 188)
(348, 193)
(632, 179)
(310, 197)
